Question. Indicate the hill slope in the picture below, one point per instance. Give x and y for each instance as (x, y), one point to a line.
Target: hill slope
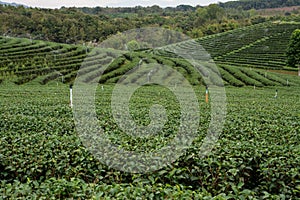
(244, 56)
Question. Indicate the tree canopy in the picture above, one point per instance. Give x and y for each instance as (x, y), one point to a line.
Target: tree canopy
(93, 25)
(293, 51)
(259, 4)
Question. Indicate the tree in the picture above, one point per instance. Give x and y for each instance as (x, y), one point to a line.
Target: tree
(215, 12)
(202, 17)
(293, 51)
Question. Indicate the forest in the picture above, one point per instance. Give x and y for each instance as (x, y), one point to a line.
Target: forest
(82, 25)
(259, 4)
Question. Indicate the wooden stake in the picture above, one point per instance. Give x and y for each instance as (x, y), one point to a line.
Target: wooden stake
(206, 95)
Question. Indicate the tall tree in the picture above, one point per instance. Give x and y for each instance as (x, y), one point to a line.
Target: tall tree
(293, 51)
(215, 12)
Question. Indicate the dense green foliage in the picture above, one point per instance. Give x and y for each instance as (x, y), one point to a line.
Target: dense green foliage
(91, 25)
(293, 51)
(259, 4)
(256, 157)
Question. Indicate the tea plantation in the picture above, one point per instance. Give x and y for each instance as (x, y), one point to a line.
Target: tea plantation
(245, 56)
(256, 156)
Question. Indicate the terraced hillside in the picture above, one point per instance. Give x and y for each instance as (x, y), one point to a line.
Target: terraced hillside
(265, 47)
(244, 57)
(259, 46)
(22, 60)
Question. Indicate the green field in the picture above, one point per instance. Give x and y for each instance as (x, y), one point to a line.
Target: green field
(256, 157)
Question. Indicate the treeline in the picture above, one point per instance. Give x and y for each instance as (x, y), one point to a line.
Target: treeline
(81, 25)
(138, 10)
(65, 25)
(259, 4)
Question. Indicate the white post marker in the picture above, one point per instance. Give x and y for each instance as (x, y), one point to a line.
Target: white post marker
(149, 75)
(71, 96)
(276, 94)
(140, 63)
